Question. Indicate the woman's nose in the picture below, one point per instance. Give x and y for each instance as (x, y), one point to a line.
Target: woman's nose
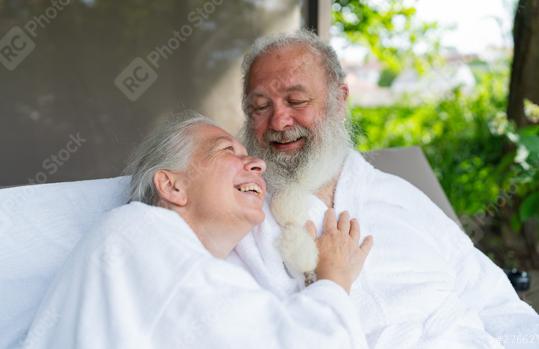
(255, 165)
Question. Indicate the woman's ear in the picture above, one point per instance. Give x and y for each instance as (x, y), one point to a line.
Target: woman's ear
(171, 187)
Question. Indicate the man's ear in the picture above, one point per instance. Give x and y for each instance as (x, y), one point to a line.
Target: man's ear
(344, 92)
(171, 187)
(342, 97)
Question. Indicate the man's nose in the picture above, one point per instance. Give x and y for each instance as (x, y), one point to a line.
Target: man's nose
(281, 117)
(255, 165)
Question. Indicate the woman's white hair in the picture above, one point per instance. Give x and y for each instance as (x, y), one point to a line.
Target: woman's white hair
(265, 44)
(168, 147)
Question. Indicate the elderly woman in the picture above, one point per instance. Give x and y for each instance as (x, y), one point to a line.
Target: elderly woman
(152, 273)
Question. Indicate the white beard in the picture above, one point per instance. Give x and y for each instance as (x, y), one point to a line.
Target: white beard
(292, 179)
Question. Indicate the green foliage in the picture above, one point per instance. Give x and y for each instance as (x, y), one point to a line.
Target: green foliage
(391, 31)
(488, 167)
(468, 140)
(454, 133)
(530, 207)
(387, 77)
(528, 157)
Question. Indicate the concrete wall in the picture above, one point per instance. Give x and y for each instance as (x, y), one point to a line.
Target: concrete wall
(82, 82)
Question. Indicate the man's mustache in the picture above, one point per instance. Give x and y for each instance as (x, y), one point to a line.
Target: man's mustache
(291, 134)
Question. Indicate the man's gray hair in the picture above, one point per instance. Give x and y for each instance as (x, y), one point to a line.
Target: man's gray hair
(168, 147)
(265, 44)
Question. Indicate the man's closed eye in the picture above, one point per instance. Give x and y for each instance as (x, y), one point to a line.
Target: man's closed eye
(298, 103)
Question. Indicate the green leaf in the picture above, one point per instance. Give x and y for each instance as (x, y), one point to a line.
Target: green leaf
(516, 223)
(386, 78)
(531, 143)
(530, 207)
(529, 131)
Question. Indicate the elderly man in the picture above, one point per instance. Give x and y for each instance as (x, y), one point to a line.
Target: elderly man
(424, 284)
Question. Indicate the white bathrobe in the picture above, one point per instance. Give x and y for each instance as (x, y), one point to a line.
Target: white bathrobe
(424, 284)
(141, 279)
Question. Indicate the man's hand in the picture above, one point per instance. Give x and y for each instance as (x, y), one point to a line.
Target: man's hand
(340, 257)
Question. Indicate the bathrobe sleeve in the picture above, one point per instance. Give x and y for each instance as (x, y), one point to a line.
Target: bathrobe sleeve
(480, 283)
(218, 307)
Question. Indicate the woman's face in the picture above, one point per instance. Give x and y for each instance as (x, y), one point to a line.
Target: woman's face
(225, 189)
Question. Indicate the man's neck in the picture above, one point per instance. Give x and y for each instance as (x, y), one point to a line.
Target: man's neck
(327, 192)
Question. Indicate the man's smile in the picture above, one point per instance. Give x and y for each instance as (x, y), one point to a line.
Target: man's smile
(288, 145)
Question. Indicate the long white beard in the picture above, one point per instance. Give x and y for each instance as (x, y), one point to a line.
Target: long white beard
(292, 184)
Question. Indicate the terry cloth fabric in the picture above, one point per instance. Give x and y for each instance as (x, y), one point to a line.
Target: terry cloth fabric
(424, 284)
(142, 279)
(39, 226)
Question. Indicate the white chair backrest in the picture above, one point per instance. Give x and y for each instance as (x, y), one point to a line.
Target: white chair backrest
(411, 164)
(39, 225)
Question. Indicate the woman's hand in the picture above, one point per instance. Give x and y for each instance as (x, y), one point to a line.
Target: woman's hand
(340, 257)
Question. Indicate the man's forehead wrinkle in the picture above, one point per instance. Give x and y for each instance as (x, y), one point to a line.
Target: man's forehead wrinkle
(279, 69)
(283, 81)
(297, 87)
(281, 62)
(293, 50)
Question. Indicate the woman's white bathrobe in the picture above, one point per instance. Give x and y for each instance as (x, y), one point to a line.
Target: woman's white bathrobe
(424, 284)
(141, 279)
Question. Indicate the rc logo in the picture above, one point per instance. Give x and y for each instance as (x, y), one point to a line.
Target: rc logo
(15, 46)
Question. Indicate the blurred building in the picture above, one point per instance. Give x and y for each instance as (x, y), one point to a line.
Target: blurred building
(363, 77)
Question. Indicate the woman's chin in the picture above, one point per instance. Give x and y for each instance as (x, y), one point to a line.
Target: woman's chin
(261, 217)
(255, 217)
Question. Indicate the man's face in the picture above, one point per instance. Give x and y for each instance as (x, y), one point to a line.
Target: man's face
(225, 186)
(287, 94)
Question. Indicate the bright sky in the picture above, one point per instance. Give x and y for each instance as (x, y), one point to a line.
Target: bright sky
(477, 22)
(472, 25)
